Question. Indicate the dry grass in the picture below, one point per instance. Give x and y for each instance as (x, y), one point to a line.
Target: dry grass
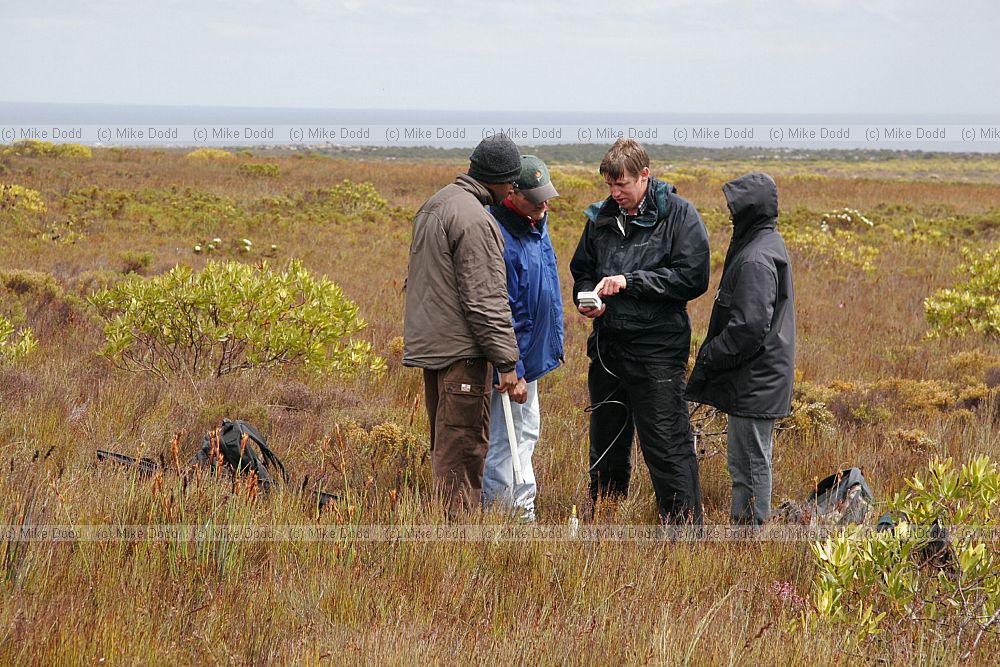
(356, 602)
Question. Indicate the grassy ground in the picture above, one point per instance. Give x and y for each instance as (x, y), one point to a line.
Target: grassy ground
(890, 399)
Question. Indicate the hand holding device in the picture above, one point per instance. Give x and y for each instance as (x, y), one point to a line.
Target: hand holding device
(589, 300)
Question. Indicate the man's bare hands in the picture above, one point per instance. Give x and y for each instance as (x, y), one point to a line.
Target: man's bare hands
(519, 394)
(592, 312)
(605, 287)
(515, 387)
(610, 285)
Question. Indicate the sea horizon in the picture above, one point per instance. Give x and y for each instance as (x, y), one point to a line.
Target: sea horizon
(183, 125)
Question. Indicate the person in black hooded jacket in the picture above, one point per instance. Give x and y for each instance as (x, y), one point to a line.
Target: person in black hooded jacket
(746, 365)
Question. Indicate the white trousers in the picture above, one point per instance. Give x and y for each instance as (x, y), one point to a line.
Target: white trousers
(498, 477)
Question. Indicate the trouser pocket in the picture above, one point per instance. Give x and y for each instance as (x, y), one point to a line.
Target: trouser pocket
(464, 397)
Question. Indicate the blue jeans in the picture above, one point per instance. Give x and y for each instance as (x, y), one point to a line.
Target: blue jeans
(749, 452)
(498, 477)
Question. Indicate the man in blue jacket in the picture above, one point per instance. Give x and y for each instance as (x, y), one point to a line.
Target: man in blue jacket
(536, 307)
(644, 250)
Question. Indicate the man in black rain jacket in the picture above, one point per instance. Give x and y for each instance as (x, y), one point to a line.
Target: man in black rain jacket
(644, 250)
(746, 365)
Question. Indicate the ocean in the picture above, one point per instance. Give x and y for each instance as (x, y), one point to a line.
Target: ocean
(145, 125)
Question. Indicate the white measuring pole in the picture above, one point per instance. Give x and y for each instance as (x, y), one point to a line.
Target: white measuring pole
(511, 438)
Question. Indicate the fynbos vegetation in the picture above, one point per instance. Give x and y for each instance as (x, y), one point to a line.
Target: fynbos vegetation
(973, 305)
(232, 317)
(140, 260)
(915, 571)
(14, 346)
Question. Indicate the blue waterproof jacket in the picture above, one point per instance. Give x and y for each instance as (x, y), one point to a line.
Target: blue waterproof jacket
(533, 289)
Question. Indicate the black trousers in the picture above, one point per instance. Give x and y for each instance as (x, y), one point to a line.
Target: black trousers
(652, 392)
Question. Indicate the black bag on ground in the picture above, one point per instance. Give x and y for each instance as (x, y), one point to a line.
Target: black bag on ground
(841, 498)
(240, 456)
(838, 500)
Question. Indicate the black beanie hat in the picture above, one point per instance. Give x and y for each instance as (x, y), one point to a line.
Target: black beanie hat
(495, 160)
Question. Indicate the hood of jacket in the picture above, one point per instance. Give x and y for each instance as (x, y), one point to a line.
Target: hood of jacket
(753, 202)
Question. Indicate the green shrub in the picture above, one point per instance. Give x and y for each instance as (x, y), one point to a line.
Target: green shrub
(346, 201)
(209, 154)
(971, 365)
(13, 349)
(36, 148)
(910, 576)
(914, 440)
(174, 210)
(879, 401)
(826, 242)
(74, 151)
(87, 282)
(19, 198)
(37, 297)
(973, 305)
(22, 211)
(717, 220)
(807, 177)
(353, 198)
(386, 442)
(677, 178)
(256, 169)
(231, 317)
(711, 177)
(809, 417)
(871, 415)
(27, 282)
(846, 218)
(136, 261)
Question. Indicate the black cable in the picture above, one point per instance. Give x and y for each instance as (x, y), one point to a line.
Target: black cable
(607, 401)
(696, 434)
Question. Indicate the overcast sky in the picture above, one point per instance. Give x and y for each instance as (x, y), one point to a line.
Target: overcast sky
(675, 56)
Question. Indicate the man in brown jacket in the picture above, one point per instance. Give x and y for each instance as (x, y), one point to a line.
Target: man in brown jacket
(457, 325)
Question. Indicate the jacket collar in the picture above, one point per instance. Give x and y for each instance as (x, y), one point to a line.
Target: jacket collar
(516, 223)
(475, 188)
(648, 214)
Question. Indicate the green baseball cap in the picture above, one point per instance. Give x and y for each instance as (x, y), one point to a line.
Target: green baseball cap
(534, 181)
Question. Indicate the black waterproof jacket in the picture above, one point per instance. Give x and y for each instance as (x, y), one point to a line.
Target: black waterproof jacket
(747, 363)
(663, 254)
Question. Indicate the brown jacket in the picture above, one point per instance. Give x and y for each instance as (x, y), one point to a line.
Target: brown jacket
(456, 286)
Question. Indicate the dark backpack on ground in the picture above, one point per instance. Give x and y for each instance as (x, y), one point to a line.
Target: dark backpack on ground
(838, 500)
(240, 457)
(842, 498)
